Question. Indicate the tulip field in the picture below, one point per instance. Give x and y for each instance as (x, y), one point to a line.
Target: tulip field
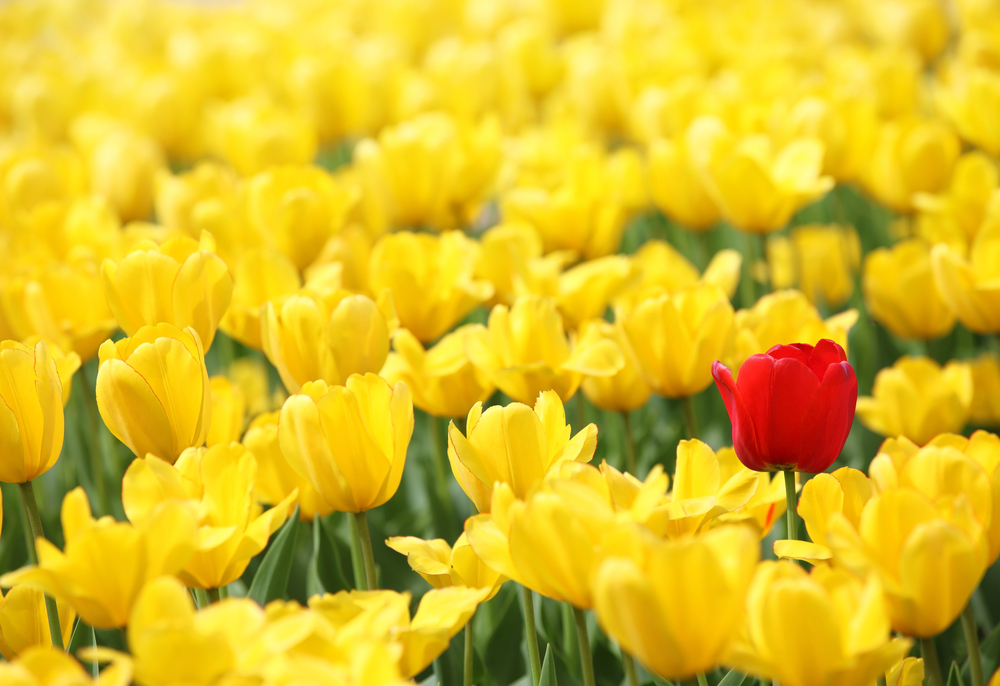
(500, 342)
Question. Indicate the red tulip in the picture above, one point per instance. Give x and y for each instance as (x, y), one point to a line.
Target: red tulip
(792, 407)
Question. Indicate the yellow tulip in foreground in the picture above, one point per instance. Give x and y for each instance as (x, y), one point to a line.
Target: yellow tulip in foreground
(328, 337)
(153, 391)
(229, 405)
(182, 282)
(443, 381)
(627, 390)
(442, 565)
(32, 412)
(919, 399)
(970, 286)
(24, 623)
(219, 481)
(49, 666)
(677, 605)
(524, 351)
(901, 294)
(514, 445)
(584, 291)
(260, 276)
(821, 628)
(349, 441)
(102, 592)
(677, 337)
(276, 480)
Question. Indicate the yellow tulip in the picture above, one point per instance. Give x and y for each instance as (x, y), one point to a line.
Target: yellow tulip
(970, 286)
(260, 276)
(24, 623)
(844, 493)
(821, 261)
(431, 279)
(911, 544)
(443, 381)
(51, 666)
(192, 202)
(964, 96)
(911, 155)
(102, 589)
(627, 390)
(783, 318)
(32, 409)
(295, 209)
(820, 628)
(39, 184)
(985, 390)
(220, 480)
(757, 186)
(585, 290)
(677, 605)
(123, 166)
(251, 375)
(442, 565)
(677, 337)
(919, 399)
(229, 406)
(276, 479)
(515, 445)
(956, 215)
(900, 292)
(507, 254)
(676, 186)
(349, 441)
(659, 265)
(524, 351)
(909, 672)
(181, 282)
(767, 504)
(329, 336)
(153, 391)
(254, 134)
(846, 124)
(529, 540)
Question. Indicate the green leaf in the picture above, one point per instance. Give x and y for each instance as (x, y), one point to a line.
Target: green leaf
(83, 636)
(326, 568)
(548, 669)
(271, 580)
(734, 678)
(989, 650)
(955, 676)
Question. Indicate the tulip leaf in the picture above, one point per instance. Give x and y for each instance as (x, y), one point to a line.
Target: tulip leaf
(271, 580)
(955, 676)
(734, 678)
(83, 636)
(548, 669)
(326, 568)
(989, 650)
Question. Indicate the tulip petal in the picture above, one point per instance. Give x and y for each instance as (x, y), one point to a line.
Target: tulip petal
(794, 386)
(747, 438)
(121, 393)
(828, 418)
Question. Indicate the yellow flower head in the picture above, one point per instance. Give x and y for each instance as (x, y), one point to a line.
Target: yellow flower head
(956, 215)
(661, 266)
(443, 381)
(919, 399)
(349, 441)
(253, 133)
(442, 565)
(821, 260)
(627, 390)
(524, 350)
(229, 409)
(985, 408)
(153, 391)
(102, 588)
(24, 623)
(676, 186)
(515, 445)
(49, 666)
(182, 282)
(970, 286)
(584, 291)
(260, 276)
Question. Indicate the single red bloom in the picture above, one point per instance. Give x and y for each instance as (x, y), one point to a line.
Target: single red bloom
(792, 407)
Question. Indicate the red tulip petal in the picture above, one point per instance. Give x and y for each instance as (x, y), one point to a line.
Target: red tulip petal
(792, 391)
(745, 439)
(755, 385)
(828, 418)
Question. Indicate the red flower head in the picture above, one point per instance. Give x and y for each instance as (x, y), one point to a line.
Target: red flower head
(792, 407)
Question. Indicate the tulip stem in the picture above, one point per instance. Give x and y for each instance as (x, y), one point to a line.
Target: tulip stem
(972, 641)
(629, 445)
(357, 564)
(690, 419)
(702, 680)
(223, 592)
(931, 665)
(361, 520)
(791, 515)
(531, 635)
(96, 454)
(201, 598)
(467, 672)
(213, 595)
(32, 532)
(441, 476)
(747, 288)
(628, 664)
(586, 661)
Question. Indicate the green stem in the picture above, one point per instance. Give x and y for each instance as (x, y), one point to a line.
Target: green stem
(586, 661)
(702, 681)
(791, 516)
(690, 420)
(223, 592)
(441, 476)
(33, 531)
(972, 642)
(361, 520)
(629, 445)
(932, 667)
(881, 680)
(628, 664)
(96, 454)
(201, 598)
(532, 635)
(213, 595)
(357, 563)
(761, 243)
(467, 672)
(747, 288)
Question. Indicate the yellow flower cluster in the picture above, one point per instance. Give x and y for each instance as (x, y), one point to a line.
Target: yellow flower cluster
(254, 256)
